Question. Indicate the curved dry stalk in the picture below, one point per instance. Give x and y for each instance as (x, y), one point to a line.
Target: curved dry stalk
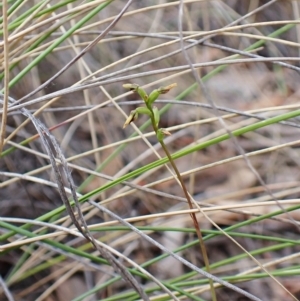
(60, 171)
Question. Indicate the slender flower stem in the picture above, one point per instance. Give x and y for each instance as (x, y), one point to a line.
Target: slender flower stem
(153, 113)
(188, 198)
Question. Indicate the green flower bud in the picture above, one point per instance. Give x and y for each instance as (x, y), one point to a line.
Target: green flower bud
(156, 115)
(153, 96)
(131, 87)
(155, 93)
(161, 133)
(164, 90)
(143, 110)
(136, 88)
(132, 117)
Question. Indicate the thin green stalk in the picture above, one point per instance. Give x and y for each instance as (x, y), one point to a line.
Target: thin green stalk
(240, 278)
(193, 215)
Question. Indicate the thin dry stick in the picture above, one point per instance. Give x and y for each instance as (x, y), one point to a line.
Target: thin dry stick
(174, 102)
(6, 74)
(82, 226)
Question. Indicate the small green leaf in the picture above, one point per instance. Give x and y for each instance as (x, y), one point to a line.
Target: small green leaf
(156, 115)
(143, 110)
(161, 133)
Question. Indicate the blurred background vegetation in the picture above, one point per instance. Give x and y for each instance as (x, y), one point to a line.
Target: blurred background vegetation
(255, 200)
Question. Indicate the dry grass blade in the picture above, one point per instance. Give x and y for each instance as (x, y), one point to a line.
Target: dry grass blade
(182, 260)
(184, 68)
(6, 74)
(7, 293)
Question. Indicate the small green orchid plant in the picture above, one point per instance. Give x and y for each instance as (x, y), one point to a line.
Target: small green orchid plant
(153, 113)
